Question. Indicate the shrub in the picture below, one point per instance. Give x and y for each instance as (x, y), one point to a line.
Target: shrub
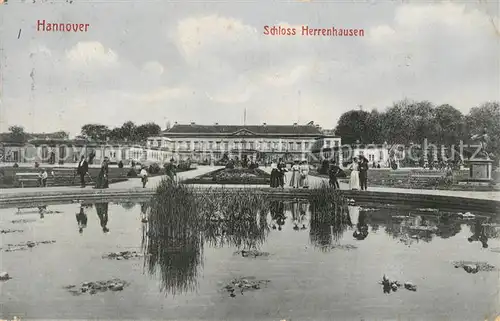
(184, 165)
(132, 173)
(154, 168)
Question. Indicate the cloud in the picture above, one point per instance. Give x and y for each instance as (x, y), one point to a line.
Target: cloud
(203, 35)
(157, 95)
(209, 67)
(84, 54)
(153, 68)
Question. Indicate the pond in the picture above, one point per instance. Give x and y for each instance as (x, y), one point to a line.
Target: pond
(294, 265)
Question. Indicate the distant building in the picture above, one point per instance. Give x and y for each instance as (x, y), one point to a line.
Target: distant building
(378, 154)
(208, 143)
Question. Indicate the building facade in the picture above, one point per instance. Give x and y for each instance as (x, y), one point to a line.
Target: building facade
(70, 151)
(377, 154)
(209, 143)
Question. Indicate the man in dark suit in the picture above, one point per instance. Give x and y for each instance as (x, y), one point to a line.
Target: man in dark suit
(363, 173)
(333, 173)
(83, 168)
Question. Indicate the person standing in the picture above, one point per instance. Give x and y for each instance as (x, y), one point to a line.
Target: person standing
(295, 178)
(281, 173)
(363, 173)
(304, 174)
(274, 175)
(354, 181)
(102, 178)
(170, 170)
(82, 170)
(333, 173)
(144, 176)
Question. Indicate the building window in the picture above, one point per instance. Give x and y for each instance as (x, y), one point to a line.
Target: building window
(275, 144)
(336, 143)
(371, 158)
(299, 146)
(306, 145)
(381, 155)
(217, 144)
(251, 145)
(196, 145)
(328, 144)
(226, 146)
(290, 146)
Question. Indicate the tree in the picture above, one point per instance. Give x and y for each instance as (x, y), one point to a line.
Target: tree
(451, 125)
(60, 135)
(129, 131)
(116, 134)
(486, 118)
(352, 126)
(17, 134)
(95, 131)
(146, 130)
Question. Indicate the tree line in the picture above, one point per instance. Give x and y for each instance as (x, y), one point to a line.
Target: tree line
(409, 122)
(128, 132)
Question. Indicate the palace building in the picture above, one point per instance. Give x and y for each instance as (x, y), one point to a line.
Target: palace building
(210, 143)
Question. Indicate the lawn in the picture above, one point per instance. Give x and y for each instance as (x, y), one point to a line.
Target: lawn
(233, 176)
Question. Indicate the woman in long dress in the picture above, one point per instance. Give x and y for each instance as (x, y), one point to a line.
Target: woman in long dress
(304, 174)
(295, 177)
(354, 181)
(102, 178)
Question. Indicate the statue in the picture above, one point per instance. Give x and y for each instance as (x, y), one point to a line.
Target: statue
(483, 140)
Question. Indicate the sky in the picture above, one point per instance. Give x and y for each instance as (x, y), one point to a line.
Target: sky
(208, 61)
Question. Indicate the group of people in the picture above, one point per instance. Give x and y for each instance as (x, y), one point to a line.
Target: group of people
(359, 174)
(299, 174)
(102, 213)
(102, 180)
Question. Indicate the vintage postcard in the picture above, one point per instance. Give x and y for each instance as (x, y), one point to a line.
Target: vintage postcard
(250, 160)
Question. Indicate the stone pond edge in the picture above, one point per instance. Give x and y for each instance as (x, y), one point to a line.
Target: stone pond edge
(459, 203)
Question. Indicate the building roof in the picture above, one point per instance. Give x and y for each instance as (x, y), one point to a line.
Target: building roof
(248, 130)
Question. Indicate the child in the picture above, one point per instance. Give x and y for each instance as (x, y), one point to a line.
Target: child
(144, 176)
(332, 173)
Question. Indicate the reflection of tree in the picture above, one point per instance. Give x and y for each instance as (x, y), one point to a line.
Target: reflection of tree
(447, 227)
(328, 223)
(247, 233)
(411, 228)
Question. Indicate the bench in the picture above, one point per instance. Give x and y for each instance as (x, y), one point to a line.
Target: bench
(29, 179)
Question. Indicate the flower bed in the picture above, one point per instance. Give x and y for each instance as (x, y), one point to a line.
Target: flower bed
(233, 176)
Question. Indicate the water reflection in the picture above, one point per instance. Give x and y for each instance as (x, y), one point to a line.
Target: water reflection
(81, 219)
(327, 225)
(174, 234)
(361, 231)
(299, 210)
(173, 242)
(144, 212)
(278, 218)
(479, 233)
(102, 213)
